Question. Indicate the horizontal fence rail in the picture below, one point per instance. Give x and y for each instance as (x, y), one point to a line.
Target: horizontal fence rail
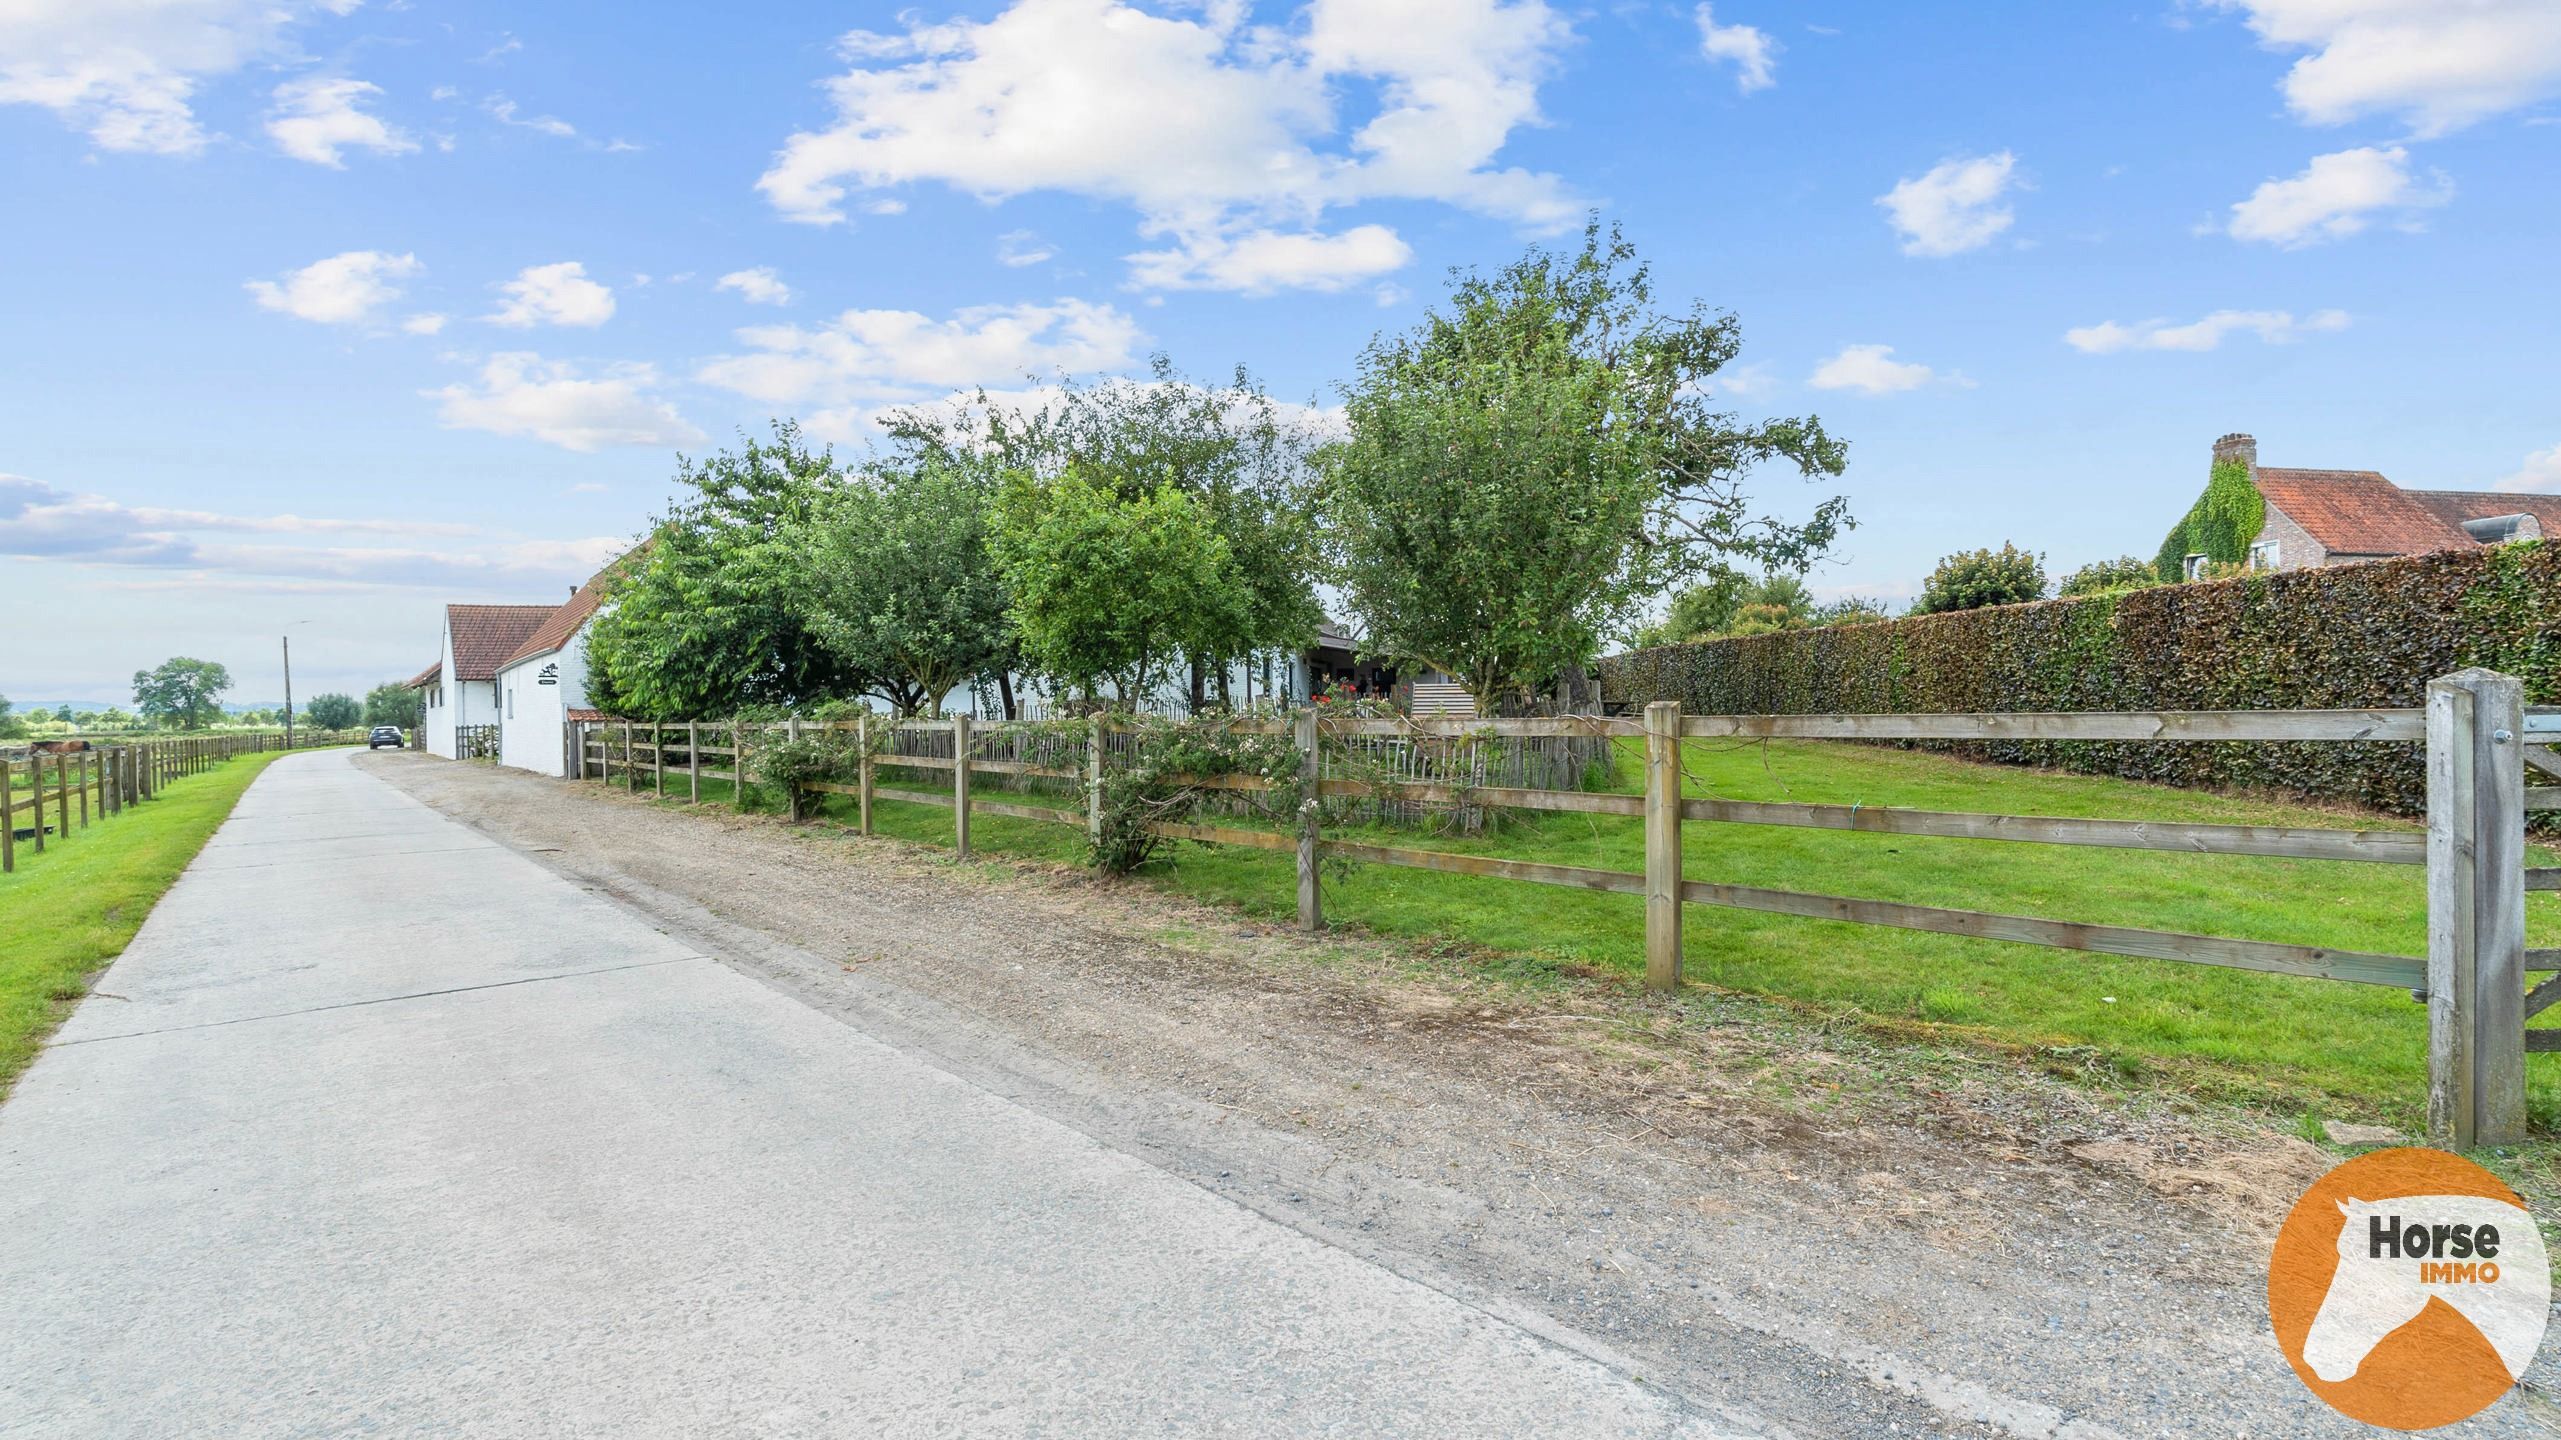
(2472, 1068)
(61, 786)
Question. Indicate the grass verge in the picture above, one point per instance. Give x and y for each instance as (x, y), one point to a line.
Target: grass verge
(2309, 1049)
(66, 913)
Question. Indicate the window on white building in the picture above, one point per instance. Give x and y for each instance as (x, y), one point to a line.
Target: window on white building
(2263, 555)
(2195, 567)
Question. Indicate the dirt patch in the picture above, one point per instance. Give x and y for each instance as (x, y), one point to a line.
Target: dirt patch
(1807, 1229)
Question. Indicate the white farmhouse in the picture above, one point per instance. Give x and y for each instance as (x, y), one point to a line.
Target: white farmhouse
(461, 688)
(544, 681)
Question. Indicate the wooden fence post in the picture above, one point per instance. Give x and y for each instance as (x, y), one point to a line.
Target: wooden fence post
(62, 794)
(658, 757)
(2476, 909)
(693, 762)
(862, 772)
(1663, 845)
(738, 763)
(8, 816)
(1311, 768)
(791, 792)
(960, 784)
(630, 775)
(83, 787)
(35, 778)
(1097, 741)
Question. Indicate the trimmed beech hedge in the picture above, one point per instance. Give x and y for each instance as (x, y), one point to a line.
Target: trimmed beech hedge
(2370, 634)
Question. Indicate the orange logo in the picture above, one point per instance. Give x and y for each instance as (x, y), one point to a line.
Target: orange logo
(2409, 1288)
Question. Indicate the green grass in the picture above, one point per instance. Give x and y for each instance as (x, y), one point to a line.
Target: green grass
(67, 912)
(2313, 1048)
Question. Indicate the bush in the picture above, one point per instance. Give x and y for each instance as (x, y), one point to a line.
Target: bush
(2345, 637)
(333, 712)
(1972, 579)
(2125, 572)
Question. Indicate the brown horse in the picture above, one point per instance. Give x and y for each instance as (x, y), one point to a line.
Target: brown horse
(59, 747)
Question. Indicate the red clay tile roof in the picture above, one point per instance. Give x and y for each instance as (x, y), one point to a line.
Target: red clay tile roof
(589, 716)
(564, 622)
(429, 676)
(2358, 512)
(485, 635)
(2456, 506)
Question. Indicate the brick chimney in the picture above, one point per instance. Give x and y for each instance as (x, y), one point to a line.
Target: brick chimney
(2237, 447)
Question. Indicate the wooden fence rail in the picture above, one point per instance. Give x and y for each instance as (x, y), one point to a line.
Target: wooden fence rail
(2474, 727)
(61, 789)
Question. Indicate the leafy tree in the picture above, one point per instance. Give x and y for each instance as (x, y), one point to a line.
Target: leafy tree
(65, 716)
(903, 585)
(1972, 579)
(1728, 604)
(2101, 576)
(181, 692)
(394, 704)
(12, 727)
(1108, 588)
(707, 619)
(1849, 610)
(333, 712)
(1245, 459)
(1537, 457)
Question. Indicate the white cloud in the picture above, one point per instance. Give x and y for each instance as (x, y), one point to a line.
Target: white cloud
(1261, 261)
(345, 289)
(1018, 248)
(883, 356)
(126, 71)
(524, 394)
(507, 112)
(39, 521)
(2439, 64)
(1955, 207)
(429, 323)
(757, 286)
(1076, 95)
(558, 294)
(2275, 327)
(2336, 196)
(1872, 370)
(317, 118)
(2540, 475)
(1752, 53)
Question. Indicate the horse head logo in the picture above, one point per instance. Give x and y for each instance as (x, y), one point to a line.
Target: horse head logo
(2395, 1256)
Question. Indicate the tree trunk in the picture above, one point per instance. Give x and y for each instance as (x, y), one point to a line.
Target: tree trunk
(1200, 695)
(1005, 692)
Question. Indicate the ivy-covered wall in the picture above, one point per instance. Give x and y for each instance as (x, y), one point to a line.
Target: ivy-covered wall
(2219, 526)
(2352, 636)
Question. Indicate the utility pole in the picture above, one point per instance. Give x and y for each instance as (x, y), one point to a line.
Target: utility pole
(287, 642)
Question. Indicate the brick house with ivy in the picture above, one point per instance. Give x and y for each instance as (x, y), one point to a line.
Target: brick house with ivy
(2266, 517)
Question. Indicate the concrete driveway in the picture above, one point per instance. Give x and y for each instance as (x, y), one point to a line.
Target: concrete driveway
(381, 1128)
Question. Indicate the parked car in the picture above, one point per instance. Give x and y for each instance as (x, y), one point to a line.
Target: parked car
(385, 735)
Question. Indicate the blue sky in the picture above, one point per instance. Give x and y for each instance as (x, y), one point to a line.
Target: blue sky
(320, 313)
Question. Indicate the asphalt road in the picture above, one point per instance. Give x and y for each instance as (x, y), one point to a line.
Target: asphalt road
(382, 1128)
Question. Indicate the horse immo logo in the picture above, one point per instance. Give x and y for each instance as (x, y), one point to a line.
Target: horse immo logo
(2409, 1288)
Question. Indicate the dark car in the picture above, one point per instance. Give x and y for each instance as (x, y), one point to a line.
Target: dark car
(385, 735)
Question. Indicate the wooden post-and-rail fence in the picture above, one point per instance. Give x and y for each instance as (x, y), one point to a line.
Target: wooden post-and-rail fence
(58, 788)
(2480, 741)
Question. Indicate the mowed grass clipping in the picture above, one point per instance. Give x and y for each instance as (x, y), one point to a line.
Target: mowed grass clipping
(67, 912)
(2330, 1046)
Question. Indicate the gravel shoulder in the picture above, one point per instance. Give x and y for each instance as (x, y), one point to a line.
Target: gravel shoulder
(1812, 1231)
